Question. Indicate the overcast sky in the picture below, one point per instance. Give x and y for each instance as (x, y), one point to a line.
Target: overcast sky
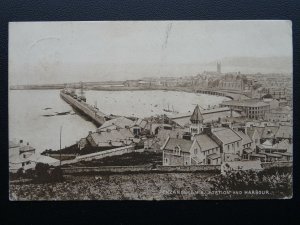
(56, 52)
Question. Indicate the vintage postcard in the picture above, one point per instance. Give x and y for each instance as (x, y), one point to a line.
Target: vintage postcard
(150, 110)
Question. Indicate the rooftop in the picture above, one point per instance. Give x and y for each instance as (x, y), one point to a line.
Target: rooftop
(121, 122)
(106, 137)
(185, 145)
(245, 138)
(205, 142)
(226, 135)
(284, 132)
(245, 103)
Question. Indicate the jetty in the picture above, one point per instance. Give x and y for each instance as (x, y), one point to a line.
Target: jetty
(91, 112)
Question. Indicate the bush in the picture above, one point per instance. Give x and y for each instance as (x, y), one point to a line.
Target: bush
(57, 174)
(20, 173)
(42, 172)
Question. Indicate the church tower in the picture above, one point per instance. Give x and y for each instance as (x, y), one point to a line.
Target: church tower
(197, 122)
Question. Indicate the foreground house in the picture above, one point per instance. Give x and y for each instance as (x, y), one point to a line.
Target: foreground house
(24, 157)
(179, 152)
(229, 141)
(209, 148)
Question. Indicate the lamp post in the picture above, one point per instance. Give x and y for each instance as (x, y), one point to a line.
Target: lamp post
(60, 145)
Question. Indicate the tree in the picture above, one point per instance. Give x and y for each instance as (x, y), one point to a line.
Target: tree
(20, 172)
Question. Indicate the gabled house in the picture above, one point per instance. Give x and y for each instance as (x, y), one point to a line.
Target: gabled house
(210, 150)
(254, 134)
(202, 150)
(179, 152)
(229, 141)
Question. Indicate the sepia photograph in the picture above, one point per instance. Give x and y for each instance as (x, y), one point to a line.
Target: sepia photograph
(150, 110)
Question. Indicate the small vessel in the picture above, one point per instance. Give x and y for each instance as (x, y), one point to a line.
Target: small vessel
(169, 110)
(82, 97)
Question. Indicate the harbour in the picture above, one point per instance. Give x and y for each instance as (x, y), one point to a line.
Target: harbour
(91, 112)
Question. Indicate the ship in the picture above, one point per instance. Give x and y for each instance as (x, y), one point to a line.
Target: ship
(169, 110)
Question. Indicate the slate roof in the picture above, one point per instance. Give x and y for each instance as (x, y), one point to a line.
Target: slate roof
(284, 132)
(205, 142)
(164, 134)
(103, 138)
(139, 122)
(185, 145)
(226, 135)
(120, 122)
(245, 138)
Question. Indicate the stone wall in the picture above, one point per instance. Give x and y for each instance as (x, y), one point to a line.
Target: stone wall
(141, 169)
(267, 165)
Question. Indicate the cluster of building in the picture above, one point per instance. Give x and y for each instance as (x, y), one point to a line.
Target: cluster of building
(204, 144)
(251, 85)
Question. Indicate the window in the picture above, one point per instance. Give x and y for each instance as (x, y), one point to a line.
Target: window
(227, 147)
(177, 150)
(195, 151)
(238, 144)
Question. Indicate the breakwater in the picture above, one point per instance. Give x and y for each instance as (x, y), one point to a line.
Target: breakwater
(91, 112)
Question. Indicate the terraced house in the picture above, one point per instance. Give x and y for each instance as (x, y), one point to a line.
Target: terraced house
(206, 145)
